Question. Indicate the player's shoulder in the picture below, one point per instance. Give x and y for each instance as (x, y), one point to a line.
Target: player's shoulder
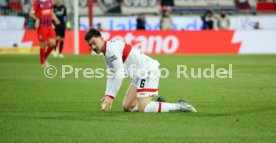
(114, 44)
(114, 47)
(115, 41)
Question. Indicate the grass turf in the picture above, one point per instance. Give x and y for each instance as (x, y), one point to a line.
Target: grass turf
(36, 109)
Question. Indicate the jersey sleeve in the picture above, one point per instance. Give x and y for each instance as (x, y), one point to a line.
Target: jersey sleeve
(114, 58)
(35, 7)
(65, 12)
(110, 78)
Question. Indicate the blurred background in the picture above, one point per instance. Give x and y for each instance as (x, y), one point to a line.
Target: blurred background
(154, 26)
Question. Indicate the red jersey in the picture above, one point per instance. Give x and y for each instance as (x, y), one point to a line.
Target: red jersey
(43, 10)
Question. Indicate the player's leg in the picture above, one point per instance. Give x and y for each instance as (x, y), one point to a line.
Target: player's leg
(43, 45)
(143, 102)
(42, 37)
(52, 42)
(146, 104)
(130, 100)
(61, 43)
(56, 48)
(51, 45)
(148, 88)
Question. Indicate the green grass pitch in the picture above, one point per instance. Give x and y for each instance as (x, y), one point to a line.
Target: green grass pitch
(36, 109)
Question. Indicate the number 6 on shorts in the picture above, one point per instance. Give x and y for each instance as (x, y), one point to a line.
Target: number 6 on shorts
(142, 84)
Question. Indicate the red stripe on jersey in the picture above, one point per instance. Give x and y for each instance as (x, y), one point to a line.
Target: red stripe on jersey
(126, 52)
(160, 106)
(104, 48)
(147, 90)
(112, 97)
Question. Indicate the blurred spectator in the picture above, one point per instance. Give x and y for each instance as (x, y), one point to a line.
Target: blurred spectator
(3, 3)
(141, 22)
(26, 5)
(256, 25)
(68, 24)
(15, 45)
(207, 20)
(29, 22)
(242, 4)
(2, 7)
(15, 5)
(99, 25)
(223, 21)
(166, 22)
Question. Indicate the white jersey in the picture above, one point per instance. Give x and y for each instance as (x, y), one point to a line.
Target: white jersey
(121, 59)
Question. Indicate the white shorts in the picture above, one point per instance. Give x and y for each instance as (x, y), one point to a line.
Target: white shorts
(148, 86)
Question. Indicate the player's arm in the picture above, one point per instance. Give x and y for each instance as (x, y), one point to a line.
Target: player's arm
(113, 83)
(32, 14)
(65, 14)
(65, 17)
(109, 83)
(56, 20)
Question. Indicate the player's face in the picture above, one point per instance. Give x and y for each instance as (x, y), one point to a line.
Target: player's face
(96, 44)
(58, 1)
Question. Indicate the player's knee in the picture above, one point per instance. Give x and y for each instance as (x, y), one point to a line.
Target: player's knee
(53, 43)
(126, 108)
(43, 44)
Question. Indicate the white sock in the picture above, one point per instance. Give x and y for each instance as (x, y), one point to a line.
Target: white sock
(161, 107)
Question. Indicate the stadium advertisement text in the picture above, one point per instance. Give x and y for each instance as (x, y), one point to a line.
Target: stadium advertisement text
(203, 3)
(267, 22)
(180, 22)
(157, 42)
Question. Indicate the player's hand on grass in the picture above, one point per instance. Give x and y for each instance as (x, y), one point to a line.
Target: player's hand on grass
(37, 23)
(106, 103)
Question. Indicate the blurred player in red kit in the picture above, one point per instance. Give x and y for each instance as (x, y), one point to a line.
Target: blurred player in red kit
(42, 12)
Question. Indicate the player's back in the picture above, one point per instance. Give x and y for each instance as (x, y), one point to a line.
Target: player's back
(132, 58)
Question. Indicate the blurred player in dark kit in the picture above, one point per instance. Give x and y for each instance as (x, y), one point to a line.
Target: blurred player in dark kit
(60, 11)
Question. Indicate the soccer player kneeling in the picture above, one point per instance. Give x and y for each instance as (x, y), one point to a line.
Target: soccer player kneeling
(122, 58)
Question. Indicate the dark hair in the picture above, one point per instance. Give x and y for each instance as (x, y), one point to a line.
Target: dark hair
(92, 32)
